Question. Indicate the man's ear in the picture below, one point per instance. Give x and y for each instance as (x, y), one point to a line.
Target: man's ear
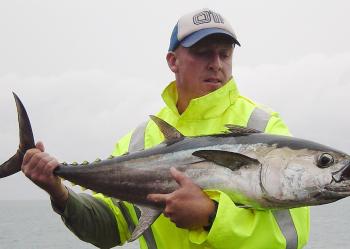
(172, 61)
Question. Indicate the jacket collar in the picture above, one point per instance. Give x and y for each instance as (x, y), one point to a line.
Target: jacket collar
(205, 107)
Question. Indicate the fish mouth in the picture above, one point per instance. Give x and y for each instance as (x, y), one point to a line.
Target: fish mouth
(336, 191)
(342, 175)
(340, 184)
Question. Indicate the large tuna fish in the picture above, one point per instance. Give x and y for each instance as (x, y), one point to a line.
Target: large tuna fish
(256, 170)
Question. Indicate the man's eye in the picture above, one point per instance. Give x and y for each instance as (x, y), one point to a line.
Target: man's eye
(225, 54)
(201, 52)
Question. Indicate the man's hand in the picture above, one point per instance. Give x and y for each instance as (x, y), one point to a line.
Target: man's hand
(38, 166)
(188, 207)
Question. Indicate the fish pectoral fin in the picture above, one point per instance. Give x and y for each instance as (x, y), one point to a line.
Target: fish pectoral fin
(227, 159)
(148, 216)
(170, 133)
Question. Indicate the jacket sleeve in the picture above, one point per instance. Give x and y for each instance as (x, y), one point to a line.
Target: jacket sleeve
(236, 227)
(90, 219)
(96, 219)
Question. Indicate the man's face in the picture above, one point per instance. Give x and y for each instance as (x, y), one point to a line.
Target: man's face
(202, 68)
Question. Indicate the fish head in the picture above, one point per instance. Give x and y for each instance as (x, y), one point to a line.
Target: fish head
(339, 186)
(294, 177)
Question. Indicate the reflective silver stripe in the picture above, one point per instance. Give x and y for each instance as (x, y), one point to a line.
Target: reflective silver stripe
(137, 141)
(126, 214)
(285, 222)
(258, 120)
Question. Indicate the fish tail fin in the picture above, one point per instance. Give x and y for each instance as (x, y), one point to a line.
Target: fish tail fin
(26, 142)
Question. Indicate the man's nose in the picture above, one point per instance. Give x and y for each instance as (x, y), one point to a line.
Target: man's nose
(215, 62)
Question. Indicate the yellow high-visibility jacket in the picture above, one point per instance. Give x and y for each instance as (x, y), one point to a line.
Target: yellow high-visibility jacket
(106, 222)
(233, 227)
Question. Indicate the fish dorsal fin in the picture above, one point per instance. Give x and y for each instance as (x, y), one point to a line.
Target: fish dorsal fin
(170, 133)
(148, 216)
(227, 159)
(238, 130)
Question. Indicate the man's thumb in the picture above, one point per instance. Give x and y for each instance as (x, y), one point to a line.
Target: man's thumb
(39, 145)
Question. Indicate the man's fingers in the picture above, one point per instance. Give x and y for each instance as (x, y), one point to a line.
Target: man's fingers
(29, 154)
(49, 164)
(158, 198)
(179, 177)
(35, 162)
(39, 145)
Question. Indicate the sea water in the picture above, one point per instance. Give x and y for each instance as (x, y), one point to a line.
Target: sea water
(33, 225)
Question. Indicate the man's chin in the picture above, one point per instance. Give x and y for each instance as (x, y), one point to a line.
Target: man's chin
(212, 86)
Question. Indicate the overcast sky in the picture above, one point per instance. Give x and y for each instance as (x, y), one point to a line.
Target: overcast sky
(89, 71)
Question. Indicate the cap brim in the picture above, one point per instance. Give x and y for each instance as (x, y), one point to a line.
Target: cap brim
(200, 34)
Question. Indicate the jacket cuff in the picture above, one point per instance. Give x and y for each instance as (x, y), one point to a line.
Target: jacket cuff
(225, 223)
(199, 236)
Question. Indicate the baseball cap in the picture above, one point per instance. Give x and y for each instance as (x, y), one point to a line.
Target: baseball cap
(194, 26)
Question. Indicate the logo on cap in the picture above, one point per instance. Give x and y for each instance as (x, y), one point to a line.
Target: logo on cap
(207, 16)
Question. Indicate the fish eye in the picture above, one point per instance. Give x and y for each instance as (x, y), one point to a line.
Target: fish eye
(325, 160)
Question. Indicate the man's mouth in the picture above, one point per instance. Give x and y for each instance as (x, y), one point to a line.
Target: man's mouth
(213, 80)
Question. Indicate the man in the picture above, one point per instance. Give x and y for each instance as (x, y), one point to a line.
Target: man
(201, 100)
